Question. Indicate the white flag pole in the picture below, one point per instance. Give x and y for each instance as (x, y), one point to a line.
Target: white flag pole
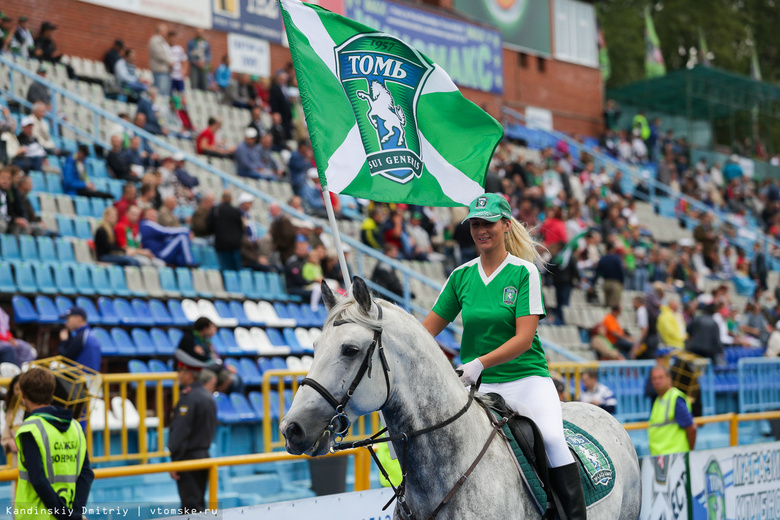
(337, 238)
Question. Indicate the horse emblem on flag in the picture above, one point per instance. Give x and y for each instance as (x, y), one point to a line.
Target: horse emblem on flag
(382, 78)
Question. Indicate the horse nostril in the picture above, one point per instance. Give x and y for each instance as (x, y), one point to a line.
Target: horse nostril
(293, 432)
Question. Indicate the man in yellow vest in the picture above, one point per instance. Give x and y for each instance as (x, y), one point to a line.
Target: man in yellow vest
(672, 429)
(54, 473)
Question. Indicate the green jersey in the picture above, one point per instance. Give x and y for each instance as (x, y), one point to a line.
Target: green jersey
(490, 306)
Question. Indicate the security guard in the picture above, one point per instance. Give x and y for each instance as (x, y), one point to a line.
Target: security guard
(192, 428)
(54, 473)
(672, 429)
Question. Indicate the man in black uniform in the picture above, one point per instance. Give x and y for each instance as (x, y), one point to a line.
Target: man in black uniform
(192, 428)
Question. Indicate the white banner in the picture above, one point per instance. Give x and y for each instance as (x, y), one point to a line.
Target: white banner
(664, 495)
(196, 13)
(540, 118)
(249, 55)
(740, 483)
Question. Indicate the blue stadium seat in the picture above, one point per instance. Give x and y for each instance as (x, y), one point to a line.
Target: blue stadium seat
(98, 206)
(115, 188)
(82, 228)
(282, 312)
(28, 248)
(248, 287)
(314, 319)
(100, 184)
(242, 408)
(224, 310)
(7, 285)
(116, 276)
(136, 366)
(53, 183)
(143, 342)
(64, 250)
(160, 313)
(65, 226)
(64, 303)
(38, 181)
(210, 258)
(292, 341)
(107, 346)
(63, 277)
(276, 287)
(295, 313)
(168, 281)
(126, 313)
(47, 311)
(69, 145)
(101, 280)
(177, 314)
(264, 364)
(82, 206)
(82, 279)
(93, 316)
(249, 373)
(229, 344)
(288, 399)
(44, 279)
(232, 285)
(26, 281)
(143, 313)
(261, 285)
(175, 336)
(107, 311)
(96, 168)
(46, 249)
(9, 247)
(225, 411)
(184, 279)
(276, 337)
(35, 202)
(124, 345)
(158, 367)
(237, 310)
(24, 312)
(162, 343)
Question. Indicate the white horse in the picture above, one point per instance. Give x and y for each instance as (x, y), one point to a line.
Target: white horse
(382, 106)
(373, 355)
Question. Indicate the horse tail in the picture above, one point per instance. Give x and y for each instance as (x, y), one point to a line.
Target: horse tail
(400, 113)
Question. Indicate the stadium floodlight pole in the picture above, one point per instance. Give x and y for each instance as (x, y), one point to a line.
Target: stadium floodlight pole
(336, 237)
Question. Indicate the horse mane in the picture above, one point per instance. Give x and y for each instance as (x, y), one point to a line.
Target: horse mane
(347, 309)
(381, 91)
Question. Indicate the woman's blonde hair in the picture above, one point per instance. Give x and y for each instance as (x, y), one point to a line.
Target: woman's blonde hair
(106, 226)
(519, 243)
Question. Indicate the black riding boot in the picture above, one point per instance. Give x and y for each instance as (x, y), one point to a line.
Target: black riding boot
(566, 483)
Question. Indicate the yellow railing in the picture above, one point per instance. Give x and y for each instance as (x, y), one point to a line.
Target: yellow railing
(572, 376)
(363, 427)
(362, 468)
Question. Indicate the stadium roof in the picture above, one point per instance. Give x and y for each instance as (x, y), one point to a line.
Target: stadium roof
(700, 93)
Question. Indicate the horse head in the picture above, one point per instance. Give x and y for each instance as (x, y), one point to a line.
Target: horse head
(377, 89)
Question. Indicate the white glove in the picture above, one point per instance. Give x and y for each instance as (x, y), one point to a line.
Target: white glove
(471, 372)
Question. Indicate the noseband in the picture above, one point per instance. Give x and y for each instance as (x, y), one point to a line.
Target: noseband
(339, 424)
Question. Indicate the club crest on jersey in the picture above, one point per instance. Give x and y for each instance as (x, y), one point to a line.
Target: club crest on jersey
(510, 295)
(382, 78)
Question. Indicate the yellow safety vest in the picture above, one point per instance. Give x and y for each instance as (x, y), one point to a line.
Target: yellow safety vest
(644, 128)
(62, 455)
(664, 434)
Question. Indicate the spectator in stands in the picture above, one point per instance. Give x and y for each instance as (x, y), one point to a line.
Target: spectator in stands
(113, 55)
(704, 333)
(754, 326)
(179, 120)
(672, 429)
(671, 324)
(293, 271)
(126, 74)
(106, 248)
(565, 274)
(314, 199)
(758, 266)
(41, 129)
(199, 55)
(597, 393)
(773, 344)
(256, 121)
(148, 198)
(160, 59)
(128, 199)
(704, 234)
(610, 267)
(385, 276)
(199, 223)
(647, 345)
(118, 161)
(602, 346)
(25, 219)
(7, 201)
(172, 245)
(38, 91)
(207, 144)
(371, 229)
(222, 75)
(280, 102)
(278, 133)
(167, 214)
(32, 155)
(227, 225)
(247, 157)
(77, 342)
(197, 343)
(732, 170)
(128, 237)
(179, 67)
(22, 42)
(239, 92)
(188, 181)
(75, 180)
(45, 48)
(147, 106)
(618, 337)
(553, 229)
(6, 31)
(12, 350)
(301, 161)
(139, 157)
(282, 232)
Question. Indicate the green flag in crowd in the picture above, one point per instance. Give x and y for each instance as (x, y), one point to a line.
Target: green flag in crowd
(703, 50)
(755, 68)
(654, 60)
(564, 256)
(386, 123)
(604, 63)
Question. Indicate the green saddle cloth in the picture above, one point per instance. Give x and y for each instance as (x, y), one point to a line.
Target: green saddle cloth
(597, 471)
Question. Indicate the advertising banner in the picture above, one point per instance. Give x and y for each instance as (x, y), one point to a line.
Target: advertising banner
(740, 483)
(664, 488)
(524, 24)
(196, 13)
(258, 18)
(469, 53)
(249, 55)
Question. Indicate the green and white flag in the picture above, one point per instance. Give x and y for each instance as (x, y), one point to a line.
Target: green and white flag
(654, 60)
(386, 123)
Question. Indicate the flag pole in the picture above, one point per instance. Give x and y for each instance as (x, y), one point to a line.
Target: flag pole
(336, 237)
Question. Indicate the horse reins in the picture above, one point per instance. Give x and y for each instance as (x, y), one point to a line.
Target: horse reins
(399, 492)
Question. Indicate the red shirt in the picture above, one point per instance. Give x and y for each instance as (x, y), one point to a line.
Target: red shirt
(553, 230)
(122, 206)
(122, 230)
(207, 137)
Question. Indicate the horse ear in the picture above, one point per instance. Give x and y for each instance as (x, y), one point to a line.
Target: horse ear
(362, 294)
(329, 297)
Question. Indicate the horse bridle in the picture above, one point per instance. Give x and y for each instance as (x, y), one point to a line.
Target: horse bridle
(339, 424)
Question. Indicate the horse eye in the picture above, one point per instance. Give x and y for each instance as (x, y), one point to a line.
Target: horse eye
(349, 351)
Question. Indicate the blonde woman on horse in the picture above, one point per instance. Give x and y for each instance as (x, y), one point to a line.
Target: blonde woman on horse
(500, 297)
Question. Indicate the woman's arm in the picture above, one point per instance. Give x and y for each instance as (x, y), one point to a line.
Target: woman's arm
(517, 345)
(434, 324)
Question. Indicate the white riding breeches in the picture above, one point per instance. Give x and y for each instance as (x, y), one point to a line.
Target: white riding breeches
(539, 396)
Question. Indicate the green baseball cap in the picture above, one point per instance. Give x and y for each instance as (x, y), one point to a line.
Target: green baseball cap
(490, 206)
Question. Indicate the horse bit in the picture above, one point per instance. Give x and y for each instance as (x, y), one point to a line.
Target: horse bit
(339, 425)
